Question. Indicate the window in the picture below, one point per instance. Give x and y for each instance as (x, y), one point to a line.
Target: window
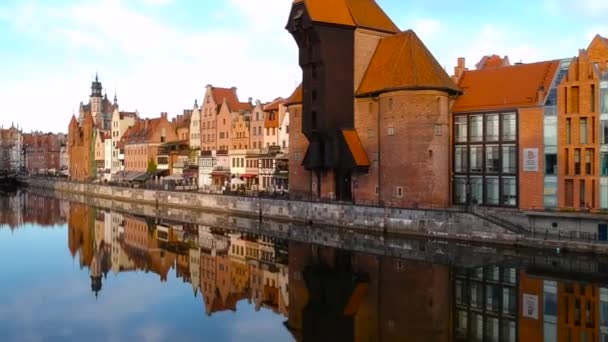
(476, 159)
(583, 128)
(604, 132)
(399, 192)
(390, 103)
(509, 191)
(492, 159)
(460, 127)
(476, 127)
(438, 130)
(574, 103)
(604, 163)
(582, 196)
(391, 131)
(460, 189)
(492, 127)
(604, 99)
(577, 161)
(550, 131)
(508, 126)
(509, 160)
(492, 191)
(551, 164)
(460, 159)
(313, 121)
(477, 190)
(589, 161)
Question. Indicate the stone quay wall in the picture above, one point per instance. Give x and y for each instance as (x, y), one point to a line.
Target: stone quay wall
(389, 220)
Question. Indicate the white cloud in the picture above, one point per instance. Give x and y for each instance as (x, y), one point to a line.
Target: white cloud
(427, 29)
(588, 8)
(155, 65)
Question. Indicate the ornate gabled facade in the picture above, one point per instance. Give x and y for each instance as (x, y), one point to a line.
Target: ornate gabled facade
(359, 149)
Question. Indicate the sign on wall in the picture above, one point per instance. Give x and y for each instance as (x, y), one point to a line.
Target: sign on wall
(530, 159)
(530, 306)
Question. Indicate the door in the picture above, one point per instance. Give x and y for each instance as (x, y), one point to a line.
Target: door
(602, 231)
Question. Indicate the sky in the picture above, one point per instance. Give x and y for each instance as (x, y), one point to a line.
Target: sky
(158, 55)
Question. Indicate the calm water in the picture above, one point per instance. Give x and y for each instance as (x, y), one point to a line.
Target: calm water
(73, 272)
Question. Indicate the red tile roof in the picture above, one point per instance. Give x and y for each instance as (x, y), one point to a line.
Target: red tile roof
(504, 87)
(295, 97)
(356, 147)
(401, 62)
(357, 13)
(219, 94)
(274, 105)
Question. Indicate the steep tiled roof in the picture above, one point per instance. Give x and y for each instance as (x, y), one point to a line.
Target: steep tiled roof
(142, 131)
(505, 87)
(358, 13)
(356, 147)
(403, 62)
(127, 115)
(295, 97)
(219, 94)
(274, 105)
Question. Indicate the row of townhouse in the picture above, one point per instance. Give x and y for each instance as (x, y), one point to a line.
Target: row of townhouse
(223, 144)
(395, 129)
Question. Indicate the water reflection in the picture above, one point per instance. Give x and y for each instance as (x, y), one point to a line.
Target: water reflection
(327, 294)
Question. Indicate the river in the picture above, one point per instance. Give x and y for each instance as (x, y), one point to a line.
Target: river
(74, 272)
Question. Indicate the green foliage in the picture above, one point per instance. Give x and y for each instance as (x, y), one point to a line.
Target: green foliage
(152, 167)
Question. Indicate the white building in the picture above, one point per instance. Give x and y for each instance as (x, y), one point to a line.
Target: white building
(284, 130)
(121, 121)
(195, 128)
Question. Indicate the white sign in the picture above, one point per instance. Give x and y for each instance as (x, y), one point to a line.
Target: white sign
(530, 306)
(530, 159)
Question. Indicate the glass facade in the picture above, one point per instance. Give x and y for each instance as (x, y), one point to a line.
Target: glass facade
(486, 158)
(550, 138)
(486, 304)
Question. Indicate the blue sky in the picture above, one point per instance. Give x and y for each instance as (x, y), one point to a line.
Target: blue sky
(158, 55)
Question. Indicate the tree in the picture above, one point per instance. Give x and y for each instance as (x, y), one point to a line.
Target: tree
(152, 166)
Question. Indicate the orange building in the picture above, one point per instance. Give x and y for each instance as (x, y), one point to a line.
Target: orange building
(364, 81)
(582, 131)
(81, 149)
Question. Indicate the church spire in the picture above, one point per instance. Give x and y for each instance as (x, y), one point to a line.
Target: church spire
(96, 87)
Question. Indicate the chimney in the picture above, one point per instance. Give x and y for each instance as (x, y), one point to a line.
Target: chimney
(250, 100)
(233, 90)
(163, 115)
(459, 69)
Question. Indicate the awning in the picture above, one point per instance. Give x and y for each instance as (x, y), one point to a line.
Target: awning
(134, 175)
(356, 147)
(143, 177)
(249, 175)
(173, 178)
(223, 173)
(281, 176)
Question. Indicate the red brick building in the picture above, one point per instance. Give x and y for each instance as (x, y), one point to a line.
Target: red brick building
(81, 148)
(497, 125)
(42, 152)
(391, 143)
(141, 141)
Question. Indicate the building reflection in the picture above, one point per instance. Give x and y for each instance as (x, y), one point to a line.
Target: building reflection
(20, 208)
(329, 294)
